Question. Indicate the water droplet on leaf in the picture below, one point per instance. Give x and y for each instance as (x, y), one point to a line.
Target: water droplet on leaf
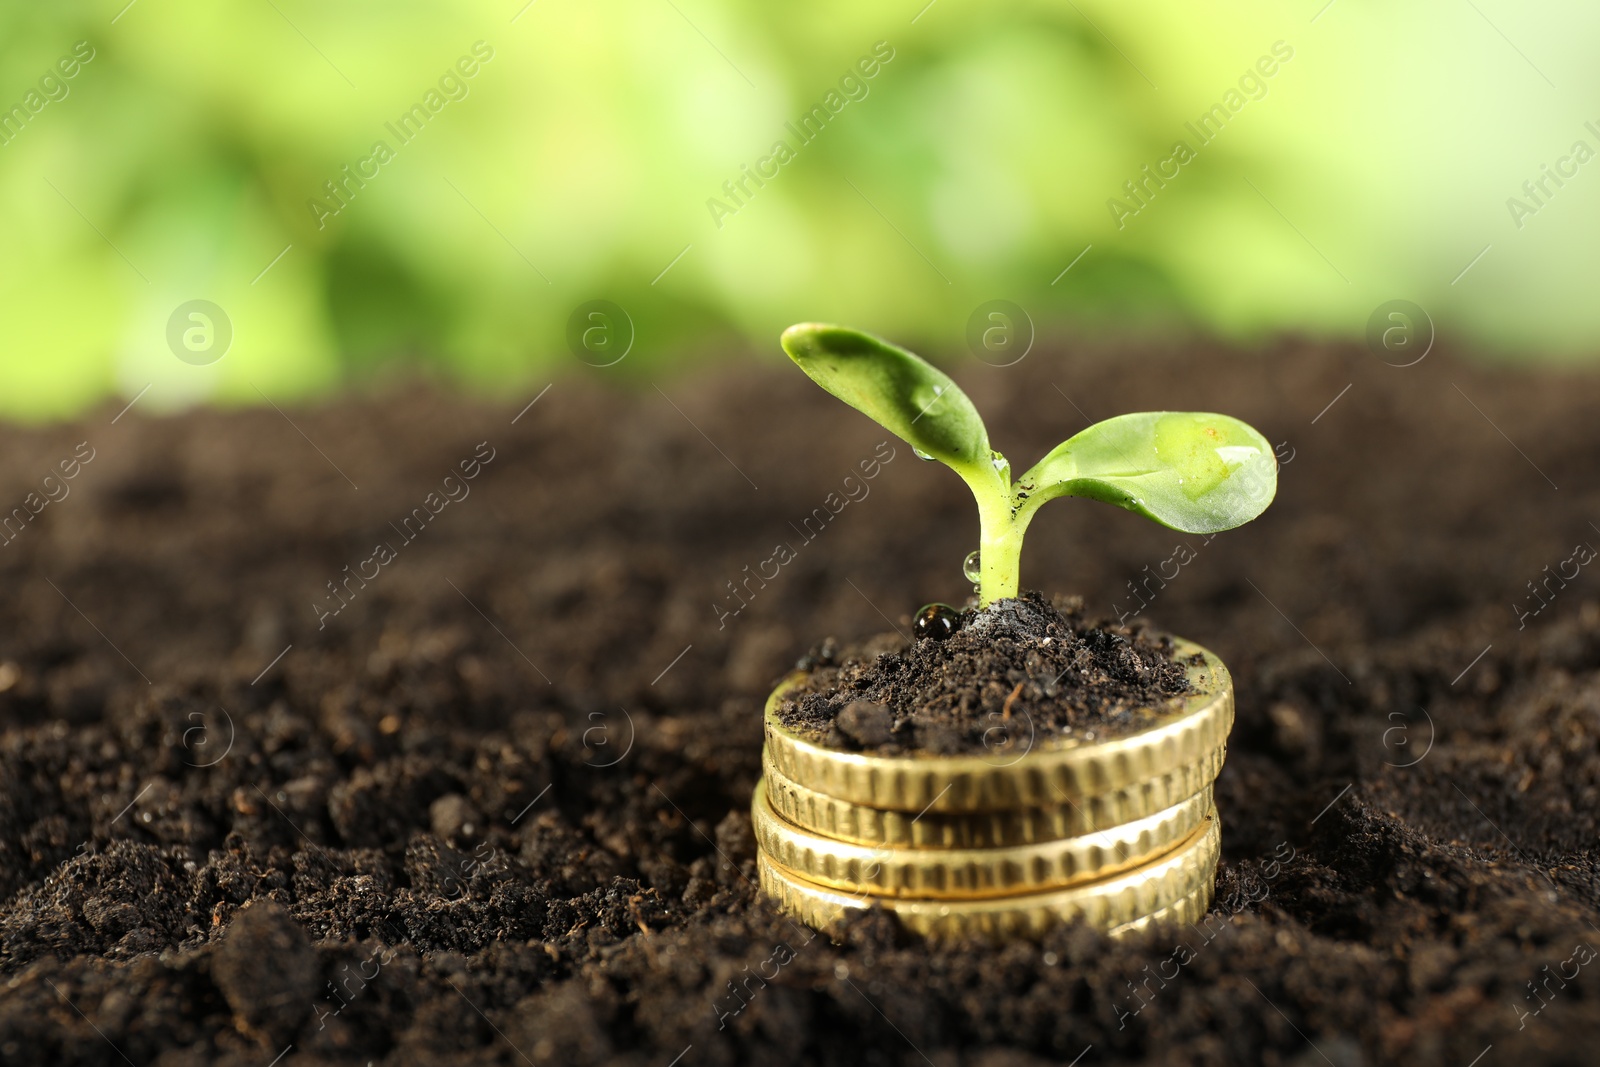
(1196, 450)
(927, 399)
(936, 621)
(920, 454)
(972, 566)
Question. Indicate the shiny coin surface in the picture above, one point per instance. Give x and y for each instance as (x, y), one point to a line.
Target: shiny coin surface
(955, 874)
(1117, 903)
(860, 825)
(1045, 772)
(1187, 911)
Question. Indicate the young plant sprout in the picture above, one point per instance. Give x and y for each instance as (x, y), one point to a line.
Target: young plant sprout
(1192, 471)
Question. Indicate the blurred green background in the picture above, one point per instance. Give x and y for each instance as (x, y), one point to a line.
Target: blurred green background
(181, 158)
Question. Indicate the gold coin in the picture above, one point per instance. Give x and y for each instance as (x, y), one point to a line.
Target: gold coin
(1068, 817)
(960, 874)
(1044, 774)
(1121, 903)
(1183, 912)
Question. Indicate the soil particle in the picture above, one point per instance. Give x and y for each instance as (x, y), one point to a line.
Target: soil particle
(866, 723)
(266, 968)
(1018, 671)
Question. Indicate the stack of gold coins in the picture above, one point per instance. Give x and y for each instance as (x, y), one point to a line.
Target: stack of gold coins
(1116, 833)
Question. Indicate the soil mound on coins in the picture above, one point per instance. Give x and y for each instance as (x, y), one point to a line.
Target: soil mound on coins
(1013, 674)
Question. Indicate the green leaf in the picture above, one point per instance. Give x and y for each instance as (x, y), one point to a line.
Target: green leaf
(1192, 471)
(902, 392)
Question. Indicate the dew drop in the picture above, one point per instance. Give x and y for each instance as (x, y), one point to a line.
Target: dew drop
(1001, 463)
(936, 621)
(927, 399)
(972, 566)
(920, 454)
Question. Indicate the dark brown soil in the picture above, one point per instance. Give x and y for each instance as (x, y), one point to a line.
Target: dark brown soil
(1016, 673)
(493, 811)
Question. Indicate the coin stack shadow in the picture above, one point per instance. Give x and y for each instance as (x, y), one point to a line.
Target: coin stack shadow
(1118, 833)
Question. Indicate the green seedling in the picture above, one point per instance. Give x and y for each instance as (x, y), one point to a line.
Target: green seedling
(1190, 471)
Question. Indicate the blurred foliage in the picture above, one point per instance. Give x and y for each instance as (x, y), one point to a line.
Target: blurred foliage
(578, 162)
